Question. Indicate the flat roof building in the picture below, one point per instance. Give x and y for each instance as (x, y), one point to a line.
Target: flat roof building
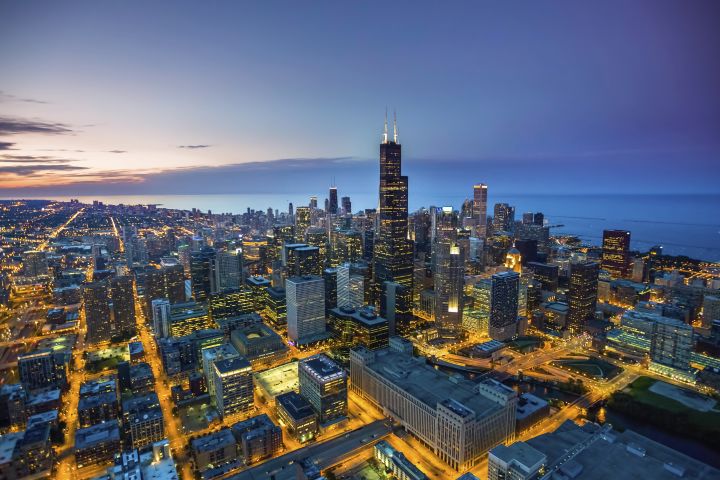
(296, 413)
(460, 420)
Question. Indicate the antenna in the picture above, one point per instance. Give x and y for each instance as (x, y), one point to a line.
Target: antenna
(385, 134)
(395, 132)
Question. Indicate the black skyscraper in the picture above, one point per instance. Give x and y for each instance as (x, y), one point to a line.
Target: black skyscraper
(200, 273)
(393, 251)
(333, 201)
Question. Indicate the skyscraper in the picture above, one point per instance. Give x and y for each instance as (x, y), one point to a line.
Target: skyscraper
(504, 293)
(227, 270)
(504, 217)
(582, 294)
(122, 295)
(346, 205)
(161, 317)
(97, 312)
(393, 250)
(616, 252)
(201, 273)
(302, 223)
(233, 386)
(480, 209)
(333, 201)
(323, 383)
(305, 308)
(449, 275)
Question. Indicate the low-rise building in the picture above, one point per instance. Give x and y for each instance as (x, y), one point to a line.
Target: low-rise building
(397, 463)
(214, 450)
(258, 438)
(296, 413)
(258, 343)
(97, 444)
(143, 420)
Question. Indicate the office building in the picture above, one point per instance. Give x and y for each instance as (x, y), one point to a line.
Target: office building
(323, 383)
(160, 308)
(96, 408)
(350, 286)
(182, 355)
(396, 306)
(302, 223)
(616, 252)
(305, 309)
(518, 461)
(479, 209)
(201, 277)
(210, 355)
(97, 444)
(186, 318)
(299, 259)
(168, 282)
(346, 245)
(449, 275)
(503, 218)
(346, 205)
(232, 303)
(547, 275)
(258, 437)
(330, 278)
(317, 237)
(296, 413)
(504, 295)
(393, 256)
(458, 419)
(333, 201)
(258, 343)
(582, 294)
(360, 326)
(122, 296)
(227, 270)
(275, 311)
(97, 312)
(233, 386)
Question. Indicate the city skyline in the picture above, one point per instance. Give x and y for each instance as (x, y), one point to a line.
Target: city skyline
(187, 108)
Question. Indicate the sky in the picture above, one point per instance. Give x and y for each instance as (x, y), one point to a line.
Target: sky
(170, 97)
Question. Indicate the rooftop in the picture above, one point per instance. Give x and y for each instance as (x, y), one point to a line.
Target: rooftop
(232, 365)
(295, 405)
(97, 434)
(213, 441)
(322, 367)
(278, 380)
(428, 385)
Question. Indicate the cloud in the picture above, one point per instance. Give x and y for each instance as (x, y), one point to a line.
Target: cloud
(194, 147)
(7, 146)
(116, 151)
(29, 170)
(8, 97)
(10, 126)
(31, 159)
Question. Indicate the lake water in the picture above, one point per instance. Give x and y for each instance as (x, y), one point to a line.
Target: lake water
(682, 224)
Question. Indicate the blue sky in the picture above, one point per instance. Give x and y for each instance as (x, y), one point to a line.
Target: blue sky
(234, 97)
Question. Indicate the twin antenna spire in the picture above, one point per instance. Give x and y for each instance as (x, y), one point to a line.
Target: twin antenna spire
(395, 129)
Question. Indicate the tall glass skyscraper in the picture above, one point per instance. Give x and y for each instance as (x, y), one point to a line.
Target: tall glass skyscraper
(616, 252)
(393, 250)
(505, 290)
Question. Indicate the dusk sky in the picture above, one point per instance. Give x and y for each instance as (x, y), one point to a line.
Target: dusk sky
(256, 97)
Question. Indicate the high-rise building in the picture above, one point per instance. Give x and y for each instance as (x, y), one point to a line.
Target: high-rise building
(333, 201)
(122, 295)
(201, 273)
(302, 223)
(231, 303)
(97, 312)
(505, 289)
(503, 218)
(233, 386)
(546, 274)
(323, 383)
(346, 205)
(346, 246)
(616, 252)
(299, 259)
(449, 274)
(711, 310)
(358, 326)
(143, 420)
(350, 287)
(393, 258)
(672, 343)
(161, 317)
(582, 294)
(227, 270)
(305, 308)
(318, 237)
(396, 305)
(479, 209)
